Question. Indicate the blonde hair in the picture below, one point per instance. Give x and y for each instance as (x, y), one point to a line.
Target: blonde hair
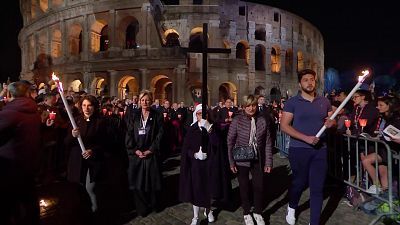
(249, 100)
(144, 93)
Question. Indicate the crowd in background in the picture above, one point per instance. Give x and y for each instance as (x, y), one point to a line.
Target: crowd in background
(127, 141)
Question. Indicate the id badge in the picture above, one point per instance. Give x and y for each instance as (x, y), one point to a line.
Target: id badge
(142, 131)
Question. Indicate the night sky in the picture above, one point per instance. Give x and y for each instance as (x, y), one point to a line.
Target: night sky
(356, 34)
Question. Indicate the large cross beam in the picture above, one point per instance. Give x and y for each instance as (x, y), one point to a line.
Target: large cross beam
(205, 50)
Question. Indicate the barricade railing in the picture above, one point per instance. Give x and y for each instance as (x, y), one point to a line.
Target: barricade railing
(345, 163)
(282, 142)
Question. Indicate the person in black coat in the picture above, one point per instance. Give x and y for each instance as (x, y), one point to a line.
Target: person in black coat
(226, 113)
(202, 172)
(87, 167)
(143, 137)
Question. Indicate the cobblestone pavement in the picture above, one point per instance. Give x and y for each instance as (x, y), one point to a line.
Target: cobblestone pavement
(336, 211)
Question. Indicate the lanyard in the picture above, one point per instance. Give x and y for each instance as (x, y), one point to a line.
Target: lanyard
(144, 122)
(378, 124)
(358, 115)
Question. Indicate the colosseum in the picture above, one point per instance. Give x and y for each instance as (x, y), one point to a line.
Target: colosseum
(119, 47)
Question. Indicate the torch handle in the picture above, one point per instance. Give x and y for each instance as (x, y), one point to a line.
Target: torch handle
(71, 118)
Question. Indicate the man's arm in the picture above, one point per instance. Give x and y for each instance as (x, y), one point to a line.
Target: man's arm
(286, 127)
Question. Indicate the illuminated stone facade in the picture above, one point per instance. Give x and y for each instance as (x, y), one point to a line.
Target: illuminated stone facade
(119, 47)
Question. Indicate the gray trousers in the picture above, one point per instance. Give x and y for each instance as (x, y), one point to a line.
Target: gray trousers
(90, 186)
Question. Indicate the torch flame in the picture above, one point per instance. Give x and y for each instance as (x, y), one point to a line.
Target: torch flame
(54, 77)
(365, 74)
(57, 80)
(43, 203)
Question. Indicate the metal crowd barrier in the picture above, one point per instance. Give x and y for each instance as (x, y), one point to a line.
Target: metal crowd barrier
(282, 142)
(345, 163)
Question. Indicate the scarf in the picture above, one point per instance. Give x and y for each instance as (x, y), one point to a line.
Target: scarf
(253, 131)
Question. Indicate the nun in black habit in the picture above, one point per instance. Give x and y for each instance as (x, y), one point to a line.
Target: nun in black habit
(199, 168)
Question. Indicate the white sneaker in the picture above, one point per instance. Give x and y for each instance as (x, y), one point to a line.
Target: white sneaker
(290, 217)
(248, 220)
(259, 219)
(194, 221)
(210, 216)
(373, 189)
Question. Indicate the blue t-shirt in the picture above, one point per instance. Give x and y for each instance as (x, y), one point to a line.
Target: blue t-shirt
(308, 117)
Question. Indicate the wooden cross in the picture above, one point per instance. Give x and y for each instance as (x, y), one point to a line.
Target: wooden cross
(205, 50)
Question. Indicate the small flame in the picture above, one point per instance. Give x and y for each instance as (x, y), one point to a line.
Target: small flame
(43, 203)
(54, 77)
(58, 82)
(365, 74)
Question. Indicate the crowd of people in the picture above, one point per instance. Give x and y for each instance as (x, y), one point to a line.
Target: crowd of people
(126, 142)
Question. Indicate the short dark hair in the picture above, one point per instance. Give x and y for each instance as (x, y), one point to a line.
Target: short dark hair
(93, 100)
(367, 94)
(301, 73)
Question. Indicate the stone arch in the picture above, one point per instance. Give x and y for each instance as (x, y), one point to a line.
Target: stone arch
(260, 90)
(259, 57)
(243, 51)
(131, 33)
(289, 60)
(159, 85)
(127, 87)
(99, 86)
(196, 39)
(128, 32)
(228, 90)
(75, 39)
(259, 34)
(275, 94)
(56, 43)
(275, 60)
(300, 61)
(44, 5)
(75, 85)
(171, 38)
(99, 36)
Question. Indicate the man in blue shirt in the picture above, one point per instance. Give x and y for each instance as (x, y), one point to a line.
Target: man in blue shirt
(307, 153)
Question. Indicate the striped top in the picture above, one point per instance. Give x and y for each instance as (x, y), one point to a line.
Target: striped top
(239, 134)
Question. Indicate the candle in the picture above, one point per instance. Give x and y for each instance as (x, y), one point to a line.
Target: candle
(104, 111)
(121, 114)
(179, 116)
(69, 112)
(52, 115)
(165, 115)
(230, 113)
(360, 81)
(363, 122)
(347, 123)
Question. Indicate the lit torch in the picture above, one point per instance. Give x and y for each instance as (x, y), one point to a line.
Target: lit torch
(360, 81)
(71, 118)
